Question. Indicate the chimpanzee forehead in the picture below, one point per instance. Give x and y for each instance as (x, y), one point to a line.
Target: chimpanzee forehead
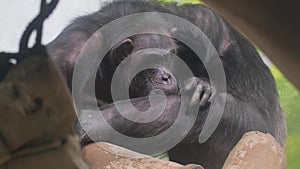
(151, 40)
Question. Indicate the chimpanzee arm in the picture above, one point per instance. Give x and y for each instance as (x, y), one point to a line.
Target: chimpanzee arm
(195, 93)
(89, 123)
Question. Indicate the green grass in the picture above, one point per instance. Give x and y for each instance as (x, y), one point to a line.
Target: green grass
(290, 103)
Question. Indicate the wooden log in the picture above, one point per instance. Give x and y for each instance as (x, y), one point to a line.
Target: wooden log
(256, 150)
(36, 115)
(108, 156)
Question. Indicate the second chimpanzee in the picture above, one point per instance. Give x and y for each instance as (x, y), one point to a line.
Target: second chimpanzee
(251, 97)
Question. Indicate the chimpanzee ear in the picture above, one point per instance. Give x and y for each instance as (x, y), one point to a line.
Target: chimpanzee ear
(122, 49)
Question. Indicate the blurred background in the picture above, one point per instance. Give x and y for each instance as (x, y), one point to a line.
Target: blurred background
(16, 14)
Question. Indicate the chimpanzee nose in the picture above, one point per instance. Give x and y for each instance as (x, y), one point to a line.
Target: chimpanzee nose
(164, 77)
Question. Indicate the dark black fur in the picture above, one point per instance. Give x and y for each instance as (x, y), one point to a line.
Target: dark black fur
(252, 100)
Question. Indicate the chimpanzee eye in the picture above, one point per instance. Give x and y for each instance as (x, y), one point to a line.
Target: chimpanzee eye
(153, 72)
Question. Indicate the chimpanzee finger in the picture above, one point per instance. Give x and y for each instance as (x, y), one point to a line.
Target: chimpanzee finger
(205, 97)
(199, 89)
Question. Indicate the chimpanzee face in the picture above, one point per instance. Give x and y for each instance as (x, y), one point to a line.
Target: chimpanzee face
(159, 50)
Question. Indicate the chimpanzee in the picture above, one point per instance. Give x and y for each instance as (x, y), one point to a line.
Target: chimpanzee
(251, 97)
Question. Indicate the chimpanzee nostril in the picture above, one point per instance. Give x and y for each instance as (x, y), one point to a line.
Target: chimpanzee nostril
(163, 77)
(166, 78)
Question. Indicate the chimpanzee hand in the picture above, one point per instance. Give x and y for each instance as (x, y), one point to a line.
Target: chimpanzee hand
(197, 92)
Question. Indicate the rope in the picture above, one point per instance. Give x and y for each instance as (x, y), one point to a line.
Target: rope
(37, 24)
